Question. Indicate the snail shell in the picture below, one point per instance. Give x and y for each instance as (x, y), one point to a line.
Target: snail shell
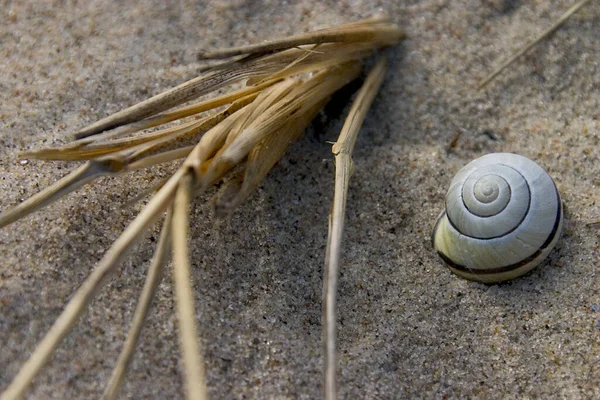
(503, 216)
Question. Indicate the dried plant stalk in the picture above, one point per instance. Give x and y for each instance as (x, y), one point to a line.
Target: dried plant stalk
(155, 273)
(342, 150)
(505, 64)
(288, 82)
(188, 336)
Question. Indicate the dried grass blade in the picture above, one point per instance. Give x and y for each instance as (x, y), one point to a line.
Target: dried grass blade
(88, 289)
(92, 151)
(179, 113)
(260, 161)
(298, 102)
(213, 125)
(376, 35)
(263, 103)
(286, 70)
(159, 158)
(133, 147)
(155, 274)
(342, 151)
(212, 141)
(215, 139)
(183, 93)
(535, 41)
(188, 334)
(302, 60)
(77, 178)
(248, 92)
(369, 30)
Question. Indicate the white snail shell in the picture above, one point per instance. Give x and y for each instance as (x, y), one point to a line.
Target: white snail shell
(503, 216)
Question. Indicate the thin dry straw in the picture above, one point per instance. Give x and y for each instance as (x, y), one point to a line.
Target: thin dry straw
(155, 273)
(535, 41)
(342, 150)
(169, 116)
(87, 290)
(77, 178)
(184, 295)
(180, 94)
(362, 31)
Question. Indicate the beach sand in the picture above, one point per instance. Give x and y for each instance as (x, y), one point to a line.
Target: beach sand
(408, 327)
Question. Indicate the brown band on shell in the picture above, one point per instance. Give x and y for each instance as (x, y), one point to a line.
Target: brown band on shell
(511, 267)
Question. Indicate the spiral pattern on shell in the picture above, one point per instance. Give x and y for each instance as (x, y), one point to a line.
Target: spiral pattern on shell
(502, 218)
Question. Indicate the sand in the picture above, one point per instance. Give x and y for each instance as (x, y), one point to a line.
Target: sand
(408, 327)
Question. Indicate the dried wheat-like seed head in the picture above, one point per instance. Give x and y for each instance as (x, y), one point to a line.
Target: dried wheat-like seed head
(237, 136)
